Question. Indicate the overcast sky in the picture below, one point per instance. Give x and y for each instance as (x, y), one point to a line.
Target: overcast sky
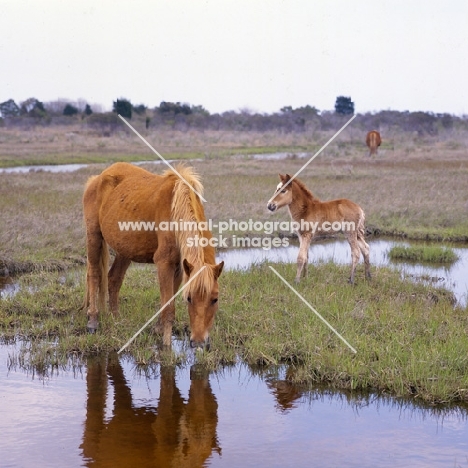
(230, 55)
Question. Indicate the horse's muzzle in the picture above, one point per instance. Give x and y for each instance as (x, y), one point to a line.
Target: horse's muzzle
(202, 345)
(271, 206)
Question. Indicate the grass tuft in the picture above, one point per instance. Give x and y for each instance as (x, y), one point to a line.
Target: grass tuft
(426, 253)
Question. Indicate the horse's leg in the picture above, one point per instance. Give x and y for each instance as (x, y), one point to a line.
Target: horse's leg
(166, 276)
(116, 276)
(355, 254)
(177, 278)
(303, 256)
(365, 250)
(95, 246)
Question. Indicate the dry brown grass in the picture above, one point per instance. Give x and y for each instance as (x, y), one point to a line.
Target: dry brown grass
(417, 187)
(81, 143)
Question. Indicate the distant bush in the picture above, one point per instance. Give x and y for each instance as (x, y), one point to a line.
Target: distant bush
(88, 110)
(344, 105)
(70, 110)
(9, 109)
(123, 107)
(140, 109)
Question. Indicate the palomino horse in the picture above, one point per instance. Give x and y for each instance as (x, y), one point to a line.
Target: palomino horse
(313, 216)
(124, 193)
(373, 141)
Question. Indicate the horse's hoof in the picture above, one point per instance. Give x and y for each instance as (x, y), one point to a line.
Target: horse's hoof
(297, 280)
(91, 330)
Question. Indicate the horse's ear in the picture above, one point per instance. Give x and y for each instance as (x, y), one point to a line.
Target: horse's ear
(188, 267)
(281, 177)
(287, 178)
(217, 270)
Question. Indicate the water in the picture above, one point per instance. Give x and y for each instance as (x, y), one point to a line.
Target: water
(74, 167)
(8, 287)
(42, 168)
(454, 277)
(67, 167)
(279, 156)
(106, 413)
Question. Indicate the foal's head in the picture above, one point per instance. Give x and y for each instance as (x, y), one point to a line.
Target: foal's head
(202, 301)
(282, 195)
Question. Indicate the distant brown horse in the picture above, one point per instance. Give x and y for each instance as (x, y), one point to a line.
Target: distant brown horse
(313, 217)
(373, 141)
(125, 193)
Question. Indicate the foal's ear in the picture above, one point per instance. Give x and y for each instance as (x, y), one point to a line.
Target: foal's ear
(287, 178)
(188, 267)
(217, 270)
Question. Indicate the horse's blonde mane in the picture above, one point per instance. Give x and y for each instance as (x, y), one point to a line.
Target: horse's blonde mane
(187, 206)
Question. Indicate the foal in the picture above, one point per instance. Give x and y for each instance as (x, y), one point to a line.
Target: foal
(313, 215)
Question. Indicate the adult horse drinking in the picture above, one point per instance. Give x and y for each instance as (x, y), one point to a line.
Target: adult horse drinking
(139, 214)
(312, 216)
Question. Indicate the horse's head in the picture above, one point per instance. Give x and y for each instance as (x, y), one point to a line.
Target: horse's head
(282, 195)
(202, 301)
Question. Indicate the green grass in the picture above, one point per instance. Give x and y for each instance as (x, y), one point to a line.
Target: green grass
(409, 338)
(426, 253)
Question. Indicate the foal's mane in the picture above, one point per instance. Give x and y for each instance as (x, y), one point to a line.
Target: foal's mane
(186, 206)
(308, 193)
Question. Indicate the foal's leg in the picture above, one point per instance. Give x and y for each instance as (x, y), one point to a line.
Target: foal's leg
(365, 250)
(166, 276)
(355, 255)
(303, 256)
(116, 276)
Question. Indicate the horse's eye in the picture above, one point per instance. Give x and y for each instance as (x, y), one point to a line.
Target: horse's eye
(189, 299)
(283, 191)
(214, 301)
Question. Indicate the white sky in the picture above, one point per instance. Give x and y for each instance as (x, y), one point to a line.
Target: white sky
(227, 55)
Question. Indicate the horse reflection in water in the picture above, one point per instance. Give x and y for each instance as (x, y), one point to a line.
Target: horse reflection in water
(285, 392)
(174, 432)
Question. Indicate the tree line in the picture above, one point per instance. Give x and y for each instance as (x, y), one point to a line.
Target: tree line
(183, 116)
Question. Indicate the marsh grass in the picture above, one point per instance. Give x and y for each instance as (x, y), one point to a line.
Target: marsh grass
(410, 341)
(417, 190)
(426, 253)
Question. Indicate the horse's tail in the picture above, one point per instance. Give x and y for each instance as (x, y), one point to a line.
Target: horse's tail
(361, 225)
(104, 284)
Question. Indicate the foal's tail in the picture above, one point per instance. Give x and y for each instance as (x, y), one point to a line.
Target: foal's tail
(361, 226)
(103, 284)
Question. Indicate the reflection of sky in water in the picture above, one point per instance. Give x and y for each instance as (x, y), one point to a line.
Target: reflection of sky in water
(42, 423)
(8, 287)
(453, 277)
(45, 168)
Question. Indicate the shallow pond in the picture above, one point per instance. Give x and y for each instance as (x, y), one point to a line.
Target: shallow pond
(454, 276)
(108, 413)
(42, 168)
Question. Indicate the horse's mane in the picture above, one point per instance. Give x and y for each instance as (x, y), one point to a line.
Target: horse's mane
(301, 185)
(187, 206)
